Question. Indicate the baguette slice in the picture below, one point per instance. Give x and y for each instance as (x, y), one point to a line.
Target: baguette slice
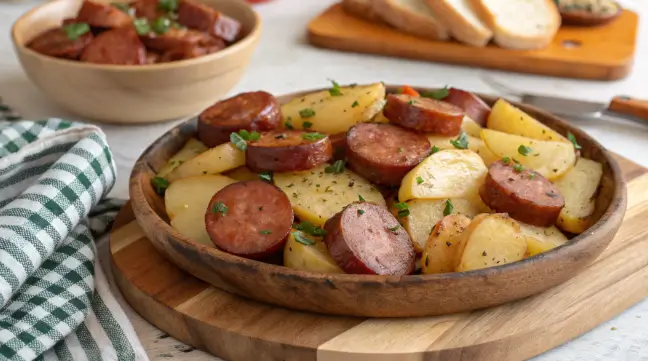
(411, 16)
(462, 20)
(520, 24)
(362, 9)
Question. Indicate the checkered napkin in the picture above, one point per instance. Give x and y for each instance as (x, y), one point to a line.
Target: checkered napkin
(54, 299)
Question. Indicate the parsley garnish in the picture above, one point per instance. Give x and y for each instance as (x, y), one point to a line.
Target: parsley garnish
(531, 175)
(403, 209)
(360, 212)
(142, 26)
(74, 31)
(313, 136)
(506, 160)
(419, 180)
(219, 207)
(335, 91)
(448, 208)
(240, 139)
(355, 104)
(461, 142)
(307, 125)
(266, 176)
(161, 25)
(288, 123)
(265, 231)
(306, 113)
(394, 228)
(572, 139)
(524, 150)
(437, 94)
(311, 229)
(168, 5)
(301, 238)
(518, 167)
(435, 149)
(336, 168)
(361, 199)
(160, 184)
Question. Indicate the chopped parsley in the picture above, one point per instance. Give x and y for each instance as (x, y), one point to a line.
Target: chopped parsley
(506, 160)
(168, 5)
(288, 123)
(419, 180)
(524, 150)
(437, 94)
(335, 90)
(161, 25)
(142, 26)
(572, 139)
(448, 208)
(403, 209)
(394, 228)
(461, 142)
(307, 125)
(518, 167)
(74, 31)
(360, 212)
(307, 113)
(160, 184)
(240, 139)
(434, 149)
(266, 176)
(361, 199)
(301, 238)
(265, 231)
(531, 175)
(355, 104)
(219, 207)
(311, 229)
(335, 168)
(313, 136)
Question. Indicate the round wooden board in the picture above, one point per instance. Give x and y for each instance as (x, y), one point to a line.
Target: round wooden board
(238, 329)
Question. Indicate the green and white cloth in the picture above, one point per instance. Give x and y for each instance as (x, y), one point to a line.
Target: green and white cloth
(55, 303)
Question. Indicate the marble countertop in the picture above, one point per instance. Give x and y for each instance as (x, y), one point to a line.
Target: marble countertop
(284, 62)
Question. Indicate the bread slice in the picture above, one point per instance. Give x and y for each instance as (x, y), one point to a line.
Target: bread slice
(462, 20)
(361, 9)
(411, 16)
(520, 24)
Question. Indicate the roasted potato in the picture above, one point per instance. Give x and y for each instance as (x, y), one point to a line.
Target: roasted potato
(242, 174)
(332, 113)
(213, 161)
(380, 118)
(440, 254)
(192, 148)
(579, 186)
(451, 173)
(475, 144)
(311, 257)
(188, 194)
(471, 127)
(507, 118)
(540, 239)
(192, 226)
(550, 159)
(317, 195)
(490, 240)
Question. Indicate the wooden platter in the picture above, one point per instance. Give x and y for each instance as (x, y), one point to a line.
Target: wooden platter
(600, 53)
(235, 328)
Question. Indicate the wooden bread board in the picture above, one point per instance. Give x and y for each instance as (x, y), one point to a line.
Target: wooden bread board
(599, 53)
(238, 329)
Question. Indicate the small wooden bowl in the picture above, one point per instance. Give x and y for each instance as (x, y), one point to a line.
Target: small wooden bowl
(378, 296)
(134, 93)
(584, 18)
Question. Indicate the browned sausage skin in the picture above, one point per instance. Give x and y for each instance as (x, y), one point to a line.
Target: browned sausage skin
(55, 42)
(102, 15)
(365, 238)
(424, 114)
(472, 105)
(288, 150)
(119, 46)
(384, 153)
(250, 219)
(258, 111)
(198, 16)
(338, 141)
(524, 194)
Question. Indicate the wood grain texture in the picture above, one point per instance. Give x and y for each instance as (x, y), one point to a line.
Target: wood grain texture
(381, 296)
(236, 329)
(637, 108)
(602, 53)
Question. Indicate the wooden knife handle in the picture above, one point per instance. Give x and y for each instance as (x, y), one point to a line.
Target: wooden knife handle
(629, 106)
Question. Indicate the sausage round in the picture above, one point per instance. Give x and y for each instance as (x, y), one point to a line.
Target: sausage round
(175, 38)
(284, 150)
(472, 105)
(119, 46)
(338, 141)
(102, 15)
(148, 9)
(365, 238)
(525, 195)
(424, 114)
(251, 111)
(55, 42)
(251, 219)
(384, 153)
(201, 17)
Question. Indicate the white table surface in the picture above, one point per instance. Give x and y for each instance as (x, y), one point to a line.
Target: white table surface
(284, 62)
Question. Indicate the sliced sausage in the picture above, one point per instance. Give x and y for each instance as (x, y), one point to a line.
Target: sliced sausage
(525, 195)
(288, 150)
(424, 114)
(250, 219)
(258, 111)
(365, 238)
(384, 153)
(147, 9)
(119, 46)
(472, 105)
(175, 39)
(102, 15)
(55, 42)
(338, 141)
(201, 17)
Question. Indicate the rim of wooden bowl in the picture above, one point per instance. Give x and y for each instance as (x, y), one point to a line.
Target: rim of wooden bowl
(248, 40)
(610, 219)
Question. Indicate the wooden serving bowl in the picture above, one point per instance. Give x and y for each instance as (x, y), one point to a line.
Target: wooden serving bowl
(134, 93)
(378, 296)
(585, 18)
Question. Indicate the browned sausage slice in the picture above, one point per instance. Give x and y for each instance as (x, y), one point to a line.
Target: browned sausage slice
(472, 105)
(249, 219)
(185, 39)
(147, 9)
(102, 15)
(424, 114)
(525, 195)
(119, 46)
(288, 150)
(55, 42)
(384, 153)
(338, 141)
(201, 17)
(365, 238)
(251, 111)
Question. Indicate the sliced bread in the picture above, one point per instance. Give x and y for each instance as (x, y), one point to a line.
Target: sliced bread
(520, 24)
(362, 9)
(462, 20)
(411, 16)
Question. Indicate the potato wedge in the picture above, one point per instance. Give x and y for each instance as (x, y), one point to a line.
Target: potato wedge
(451, 173)
(507, 118)
(242, 174)
(440, 255)
(192, 225)
(193, 193)
(471, 127)
(477, 145)
(316, 195)
(540, 239)
(550, 159)
(315, 257)
(579, 187)
(490, 240)
(380, 118)
(192, 148)
(335, 114)
(425, 213)
(213, 161)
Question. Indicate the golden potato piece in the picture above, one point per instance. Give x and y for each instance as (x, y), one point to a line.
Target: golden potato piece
(192, 194)
(192, 148)
(471, 127)
(541, 239)
(579, 187)
(507, 118)
(380, 118)
(315, 257)
(192, 225)
(490, 240)
(440, 255)
(242, 174)
(477, 145)
(213, 161)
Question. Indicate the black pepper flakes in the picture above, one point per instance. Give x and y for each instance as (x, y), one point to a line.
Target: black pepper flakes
(484, 254)
(448, 244)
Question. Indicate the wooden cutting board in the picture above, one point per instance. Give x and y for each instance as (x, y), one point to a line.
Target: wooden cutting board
(600, 53)
(237, 329)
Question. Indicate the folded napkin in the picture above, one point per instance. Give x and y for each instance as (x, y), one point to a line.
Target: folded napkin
(55, 303)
